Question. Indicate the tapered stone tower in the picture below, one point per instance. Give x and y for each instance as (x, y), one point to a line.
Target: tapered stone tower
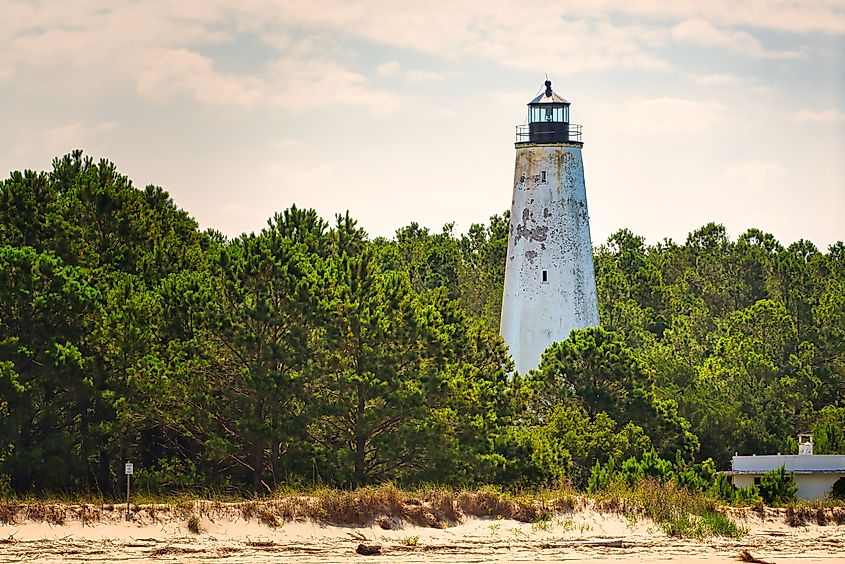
(550, 284)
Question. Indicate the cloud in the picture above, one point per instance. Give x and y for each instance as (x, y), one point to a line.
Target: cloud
(169, 73)
(751, 178)
(287, 83)
(704, 33)
(60, 140)
(662, 116)
(159, 47)
(288, 143)
(302, 83)
(417, 76)
(447, 113)
(807, 16)
(510, 100)
(390, 68)
(819, 116)
(716, 79)
(411, 76)
(590, 46)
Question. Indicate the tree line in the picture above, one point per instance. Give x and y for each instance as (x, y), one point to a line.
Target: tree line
(310, 353)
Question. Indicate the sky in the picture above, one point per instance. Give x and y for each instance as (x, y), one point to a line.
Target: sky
(399, 112)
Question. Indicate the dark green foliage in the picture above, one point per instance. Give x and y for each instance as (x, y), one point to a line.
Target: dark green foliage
(309, 353)
(838, 491)
(595, 369)
(601, 475)
(696, 477)
(777, 487)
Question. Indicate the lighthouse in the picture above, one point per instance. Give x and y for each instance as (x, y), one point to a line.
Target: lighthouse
(550, 284)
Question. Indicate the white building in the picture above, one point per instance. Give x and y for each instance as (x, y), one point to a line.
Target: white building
(815, 474)
(550, 286)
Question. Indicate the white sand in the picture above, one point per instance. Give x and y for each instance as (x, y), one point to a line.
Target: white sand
(160, 533)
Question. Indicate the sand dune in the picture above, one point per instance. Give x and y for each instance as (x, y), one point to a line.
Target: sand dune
(164, 533)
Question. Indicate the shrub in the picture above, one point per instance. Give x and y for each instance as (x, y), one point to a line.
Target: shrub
(838, 491)
(726, 491)
(600, 476)
(751, 494)
(723, 489)
(778, 487)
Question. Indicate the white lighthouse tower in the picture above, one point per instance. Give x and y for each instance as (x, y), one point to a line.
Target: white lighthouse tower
(550, 284)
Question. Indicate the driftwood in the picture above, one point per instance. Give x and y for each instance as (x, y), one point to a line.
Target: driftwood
(609, 543)
(368, 549)
(746, 556)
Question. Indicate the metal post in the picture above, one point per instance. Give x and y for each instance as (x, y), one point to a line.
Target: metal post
(129, 469)
(128, 477)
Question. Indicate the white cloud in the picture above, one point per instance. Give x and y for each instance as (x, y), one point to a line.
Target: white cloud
(416, 76)
(702, 32)
(289, 83)
(446, 113)
(832, 116)
(169, 73)
(298, 83)
(825, 16)
(60, 140)
(662, 116)
(751, 178)
(288, 143)
(511, 100)
(716, 79)
(390, 68)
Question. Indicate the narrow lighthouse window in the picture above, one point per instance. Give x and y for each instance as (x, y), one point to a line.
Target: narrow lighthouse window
(542, 176)
(545, 276)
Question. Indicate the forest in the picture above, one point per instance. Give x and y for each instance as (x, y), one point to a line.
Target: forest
(309, 353)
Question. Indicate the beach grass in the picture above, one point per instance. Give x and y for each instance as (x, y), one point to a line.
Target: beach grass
(677, 511)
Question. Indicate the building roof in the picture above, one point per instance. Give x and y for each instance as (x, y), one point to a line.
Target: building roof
(835, 472)
(798, 463)
(547, 96)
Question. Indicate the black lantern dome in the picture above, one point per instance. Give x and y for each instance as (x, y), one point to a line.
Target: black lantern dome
(548, 120)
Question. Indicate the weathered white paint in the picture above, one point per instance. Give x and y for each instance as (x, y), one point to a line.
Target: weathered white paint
(815, 474)
(549, 231)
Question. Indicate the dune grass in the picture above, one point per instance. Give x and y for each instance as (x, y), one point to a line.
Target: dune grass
(679, 512)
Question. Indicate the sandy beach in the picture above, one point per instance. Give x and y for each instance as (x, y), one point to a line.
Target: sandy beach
(219, 532)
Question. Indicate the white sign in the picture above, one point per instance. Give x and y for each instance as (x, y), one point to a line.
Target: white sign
(130, 468)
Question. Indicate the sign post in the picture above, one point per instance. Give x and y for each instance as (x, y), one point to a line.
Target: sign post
(129, 469)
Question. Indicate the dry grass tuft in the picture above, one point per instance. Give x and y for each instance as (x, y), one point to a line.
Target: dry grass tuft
(359, 507)
(8, 513)
(267, 517)
(194, 525)
(88, 514)
(796, 516)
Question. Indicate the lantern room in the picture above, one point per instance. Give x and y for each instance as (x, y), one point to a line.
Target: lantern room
(548, 120)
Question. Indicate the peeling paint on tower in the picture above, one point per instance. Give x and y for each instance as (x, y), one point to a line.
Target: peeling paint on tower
(550, 286)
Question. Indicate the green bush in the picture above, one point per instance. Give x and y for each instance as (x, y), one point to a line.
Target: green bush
(777, 487)
(726, 491)
(600, 476)
(838, 491)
